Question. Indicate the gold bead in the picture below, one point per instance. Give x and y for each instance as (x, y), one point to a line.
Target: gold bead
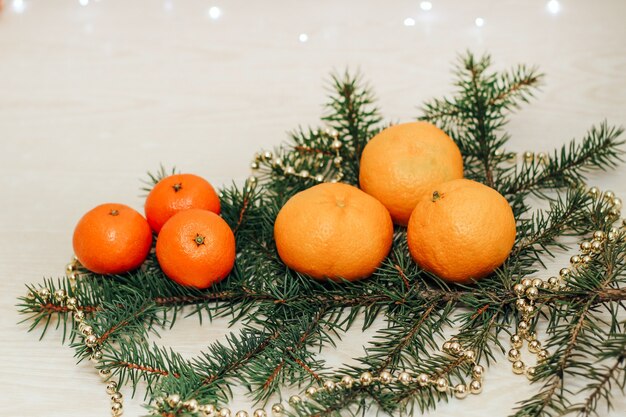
(304, 173)
(518, 367)
(585, 247)
(565, 272)
(614, 212)
(586, 259)
(514, 355)
(241, 413)
(520, 303)
(469, 354)
(441, 384)
(277, 162)
(111, 387)
(268, 155)
(542, 157)
(498, 152)
(599, 235)
(523, 327)
(532, 292)
(529, 156)
(337, 160)
(461, 391)
(527, 282)
(366, 378)
(516, 341)
(455, 348)
(608, 195)
(319, 178)
(347, 381)
(224, 412)
(612, 237)
(534, 346)
(336, 144)
(475, 387)
(329, 385)
(259, 412)
(104, 373)
(117, 397)
(404, 378)
(96, 356)
(478, 371)
(73, 277)
(542, 355)
(529, 310)
(596, 246)
(208, 410)
(252, 180)
(575, 260)
(295, 400)
(311, 391)
(116, 409)
(254, 165)
(617, 203)
(519, 289)
(289, 170)
(91, 341)
(537, 282)
(385, 378)
(71, 267)
(87, 330)
(553, 282)
(446, 346)
(79, 316)
(531, 371)
(594, 191)
(72, 303)
(423, 379)
(59, 295)
(191, 405)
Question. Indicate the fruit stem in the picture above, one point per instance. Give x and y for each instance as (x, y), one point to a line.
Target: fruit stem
(114, 212)
(436, 196)
(199, 239)
(177, 187)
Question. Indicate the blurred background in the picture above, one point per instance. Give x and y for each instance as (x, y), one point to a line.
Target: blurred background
(94, 93)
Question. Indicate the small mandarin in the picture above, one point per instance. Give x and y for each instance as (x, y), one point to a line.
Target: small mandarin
(196, 248)
(179, 192)
(402, 163)
(333, 231)
(112, 239)
(462, 231)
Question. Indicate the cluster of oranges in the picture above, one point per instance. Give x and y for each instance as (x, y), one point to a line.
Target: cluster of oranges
(410, 174)
(195, 246)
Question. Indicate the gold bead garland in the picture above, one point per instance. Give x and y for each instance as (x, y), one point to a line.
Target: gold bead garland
(437, 381)
(527, 290)
(277, 163)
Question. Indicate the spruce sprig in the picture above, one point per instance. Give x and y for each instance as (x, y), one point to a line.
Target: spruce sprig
(287, 319)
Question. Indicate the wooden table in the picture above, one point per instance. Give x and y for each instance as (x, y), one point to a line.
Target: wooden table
(95, 93)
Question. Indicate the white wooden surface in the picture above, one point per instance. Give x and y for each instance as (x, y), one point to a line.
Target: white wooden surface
(93, 96)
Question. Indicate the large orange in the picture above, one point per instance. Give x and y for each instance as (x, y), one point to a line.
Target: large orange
(179, 192)
(196, 248)
(461, 231)
(333, 231)
(401, 163)
(112, 239)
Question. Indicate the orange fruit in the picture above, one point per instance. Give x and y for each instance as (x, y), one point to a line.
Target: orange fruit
(401, 163)
(196, 248)
(333, 231)
(112, 239)
(462, 231)
(179, 192)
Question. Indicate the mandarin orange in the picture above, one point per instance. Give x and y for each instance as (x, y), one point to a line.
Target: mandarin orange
(196, 248)
(462, 231)
(179, 192)
(333, 231)
(401, 163)
(112, 239)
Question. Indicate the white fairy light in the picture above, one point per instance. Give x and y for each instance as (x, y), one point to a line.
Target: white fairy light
(409, 21)
(18, 6)
(426, 5)
(83, 2)
(480, 22)
(303, 37)
(553, 6)
(215, 12)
